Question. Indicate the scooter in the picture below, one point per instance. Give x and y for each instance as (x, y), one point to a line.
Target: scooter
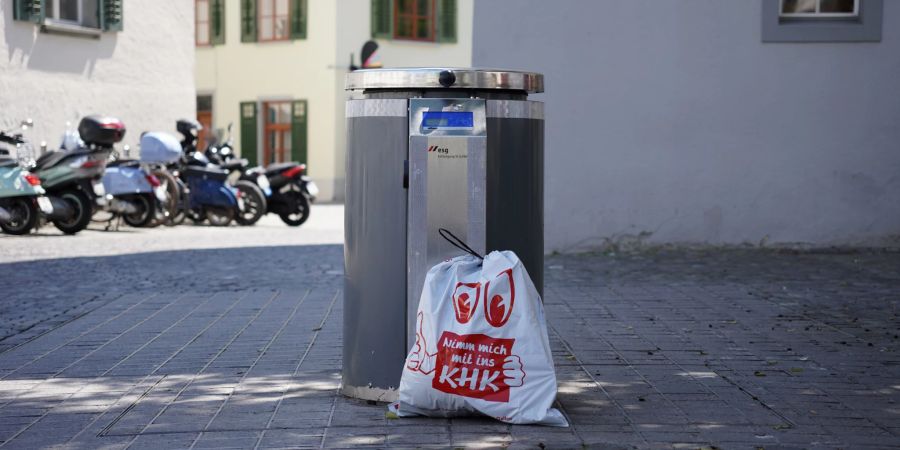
(21, 194)
(130, 191)
(72, 178)
(158, 150)
(251, 182)
(289, 192)
(208, 195)
(292, 192)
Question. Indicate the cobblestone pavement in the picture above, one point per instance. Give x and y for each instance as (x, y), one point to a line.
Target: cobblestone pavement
(209, 338)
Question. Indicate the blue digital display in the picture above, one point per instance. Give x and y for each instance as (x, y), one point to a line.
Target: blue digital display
(447, 119)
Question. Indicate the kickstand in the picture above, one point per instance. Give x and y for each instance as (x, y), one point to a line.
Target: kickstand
(109, 223)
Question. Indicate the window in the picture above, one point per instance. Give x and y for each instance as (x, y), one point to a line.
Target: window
(85, 17)
(209, 22)
(205, 117)
(283, 124)
(201, 24)
(819, 8)
(414, 19)
(72, 12)
(417, 20)
(277, 132)
(272, 20)
(822, 20)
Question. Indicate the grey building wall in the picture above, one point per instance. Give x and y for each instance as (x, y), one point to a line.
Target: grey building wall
(672, 122)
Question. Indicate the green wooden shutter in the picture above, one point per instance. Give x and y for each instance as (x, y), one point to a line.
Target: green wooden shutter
(298, 19)
(248, 132)
(298, 131)
(217, 22)
(111, 15)
(446, 21)
(248, 20)
(28, 10)
(382, 19)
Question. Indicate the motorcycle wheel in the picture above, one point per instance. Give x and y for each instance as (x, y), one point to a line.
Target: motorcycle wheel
(82, 205)
(165, 209)
(25, 216)
(146, 205)
(254, 203)
(197, 216)
(301, 212)
(179, 213)
(219, 217)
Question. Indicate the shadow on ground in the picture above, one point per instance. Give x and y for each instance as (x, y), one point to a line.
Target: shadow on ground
(40, 295)
(241, 348)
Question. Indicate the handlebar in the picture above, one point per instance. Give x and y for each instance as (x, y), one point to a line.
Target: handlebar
(14, 139)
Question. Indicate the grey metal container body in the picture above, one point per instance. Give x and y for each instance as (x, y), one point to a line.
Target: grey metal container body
(375, 248)
(515, 190)
(376, 312)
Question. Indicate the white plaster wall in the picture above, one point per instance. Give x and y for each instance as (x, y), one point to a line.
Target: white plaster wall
(671, 122)
(302, 69)
(142, 75)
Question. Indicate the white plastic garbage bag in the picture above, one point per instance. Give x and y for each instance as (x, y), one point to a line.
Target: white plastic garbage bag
(481, 345)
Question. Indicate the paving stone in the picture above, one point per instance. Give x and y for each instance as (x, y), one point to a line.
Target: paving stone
(664, 349)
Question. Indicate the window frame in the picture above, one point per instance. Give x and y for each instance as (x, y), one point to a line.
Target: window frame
(864, 27)
(52, 14)
(208, 23)
(415, 16)
(273, 17)
(817, 14)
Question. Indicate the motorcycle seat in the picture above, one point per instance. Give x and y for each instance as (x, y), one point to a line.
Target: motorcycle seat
(236, 164)
(209, 172)
(6, 161)
(124, 163)
(277, 168)
(50, 159)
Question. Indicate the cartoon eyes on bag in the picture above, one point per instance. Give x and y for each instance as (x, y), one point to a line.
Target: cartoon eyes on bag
(465, 300)
(500, 296)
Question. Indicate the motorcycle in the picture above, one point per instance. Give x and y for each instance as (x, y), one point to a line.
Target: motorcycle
(289, 192)
(21, 194)
(73, 179)
(208, 197)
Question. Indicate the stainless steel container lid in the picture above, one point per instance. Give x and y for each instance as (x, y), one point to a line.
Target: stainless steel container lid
(444, 78)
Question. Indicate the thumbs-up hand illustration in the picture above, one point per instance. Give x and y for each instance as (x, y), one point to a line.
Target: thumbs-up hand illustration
(420, 359)
(513, 372)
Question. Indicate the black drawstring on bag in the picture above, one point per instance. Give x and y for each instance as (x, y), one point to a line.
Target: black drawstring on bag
(458, 243)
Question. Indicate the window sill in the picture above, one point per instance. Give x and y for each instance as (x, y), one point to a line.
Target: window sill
(55, 27)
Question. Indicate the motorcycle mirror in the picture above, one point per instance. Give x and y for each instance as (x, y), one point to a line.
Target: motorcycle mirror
(27, 123)
(229, 126)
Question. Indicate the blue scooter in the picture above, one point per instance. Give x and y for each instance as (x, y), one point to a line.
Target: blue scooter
(208, 196)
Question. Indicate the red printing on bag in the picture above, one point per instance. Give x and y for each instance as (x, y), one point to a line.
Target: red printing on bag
(477, 366)
(463, 304)
(497, 307)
